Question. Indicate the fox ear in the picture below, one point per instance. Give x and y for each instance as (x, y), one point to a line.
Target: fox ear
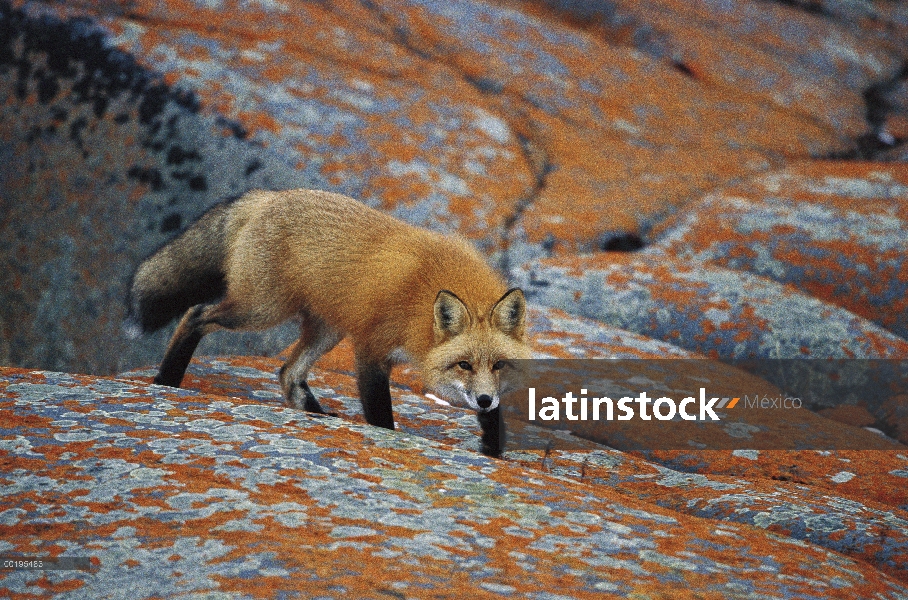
(451, 315)
(509, 313)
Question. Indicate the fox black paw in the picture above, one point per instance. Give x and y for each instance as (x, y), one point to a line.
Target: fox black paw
(489, 449)
(160, 379)
(323, 414)
(312, 405)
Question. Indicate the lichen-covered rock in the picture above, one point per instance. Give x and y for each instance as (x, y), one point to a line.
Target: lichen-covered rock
(844, 499)
(102, 161)
(555, 333)
(714, 311)
(834, 231)
(731, 315)
(816, 58)
(174, 491)
(122, 121)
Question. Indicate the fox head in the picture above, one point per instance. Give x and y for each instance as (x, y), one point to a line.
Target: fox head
(470, 351)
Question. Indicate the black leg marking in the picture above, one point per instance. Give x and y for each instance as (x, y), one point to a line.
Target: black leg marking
(375, 394)
(179, 352)
(316, 338)
(493, 433)
(310, 402)
(300, 396)
(175, 362)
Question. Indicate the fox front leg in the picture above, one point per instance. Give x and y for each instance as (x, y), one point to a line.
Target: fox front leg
(297, 393)
(375, 392)
(492, 441)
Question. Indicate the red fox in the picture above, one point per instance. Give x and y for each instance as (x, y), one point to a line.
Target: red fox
(343, 269)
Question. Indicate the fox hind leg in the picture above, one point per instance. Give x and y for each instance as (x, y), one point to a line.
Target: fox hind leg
(196, 323)
(316, 339)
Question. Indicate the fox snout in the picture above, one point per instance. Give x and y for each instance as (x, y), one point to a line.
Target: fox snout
(461, 393)
(482, 402)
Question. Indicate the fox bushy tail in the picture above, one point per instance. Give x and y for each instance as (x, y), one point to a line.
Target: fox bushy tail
(187, 271)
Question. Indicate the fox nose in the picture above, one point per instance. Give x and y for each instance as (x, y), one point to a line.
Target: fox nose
(484, 401)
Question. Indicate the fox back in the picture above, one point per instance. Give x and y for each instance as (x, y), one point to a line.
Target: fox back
(365, 273)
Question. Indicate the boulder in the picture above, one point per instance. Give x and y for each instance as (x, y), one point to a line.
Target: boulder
(834, 231)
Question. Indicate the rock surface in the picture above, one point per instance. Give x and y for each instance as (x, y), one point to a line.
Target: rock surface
(751, 153)
(532, 132)
(184, 491)
(836, 232)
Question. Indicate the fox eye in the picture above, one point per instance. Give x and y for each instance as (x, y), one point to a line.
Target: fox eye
(499, 365)
(465, 365)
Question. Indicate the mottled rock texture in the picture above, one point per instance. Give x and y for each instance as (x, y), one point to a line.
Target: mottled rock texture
(532, 128)
(836, 232)
(721, 179)
(192, 491)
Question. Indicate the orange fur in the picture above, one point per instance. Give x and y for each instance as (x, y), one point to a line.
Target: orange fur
(365, 273)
